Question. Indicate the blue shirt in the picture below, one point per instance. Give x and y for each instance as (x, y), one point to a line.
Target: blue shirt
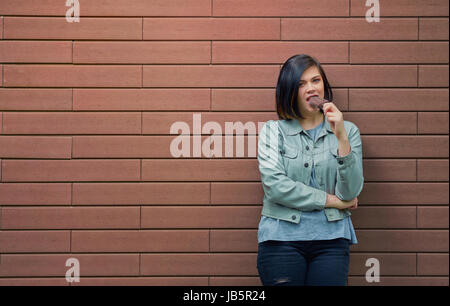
(313, 225)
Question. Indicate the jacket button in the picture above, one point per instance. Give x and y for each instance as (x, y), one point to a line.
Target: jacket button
(307, 148)
(294, 217)
(341, 162)
(306, 165)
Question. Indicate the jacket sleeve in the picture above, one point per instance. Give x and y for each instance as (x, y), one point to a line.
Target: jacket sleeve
(350, 178)
(278, 187)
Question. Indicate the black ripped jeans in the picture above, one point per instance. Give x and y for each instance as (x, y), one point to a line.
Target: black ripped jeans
(304, 263)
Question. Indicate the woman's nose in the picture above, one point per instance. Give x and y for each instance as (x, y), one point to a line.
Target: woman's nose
(309, 87)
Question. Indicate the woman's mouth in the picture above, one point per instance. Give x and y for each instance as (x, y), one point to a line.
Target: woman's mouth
(308, 98)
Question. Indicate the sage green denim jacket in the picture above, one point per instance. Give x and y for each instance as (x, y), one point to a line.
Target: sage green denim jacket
(286, 154)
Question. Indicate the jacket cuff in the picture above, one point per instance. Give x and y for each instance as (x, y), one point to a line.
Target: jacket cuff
(343, 161)
(320, 198)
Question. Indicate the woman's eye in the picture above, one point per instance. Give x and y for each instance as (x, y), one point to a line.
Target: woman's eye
(316, 80)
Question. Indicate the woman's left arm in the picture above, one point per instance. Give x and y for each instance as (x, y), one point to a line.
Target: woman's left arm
(350, 178)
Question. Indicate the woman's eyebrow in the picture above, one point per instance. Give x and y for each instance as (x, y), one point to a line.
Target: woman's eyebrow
(312, 77)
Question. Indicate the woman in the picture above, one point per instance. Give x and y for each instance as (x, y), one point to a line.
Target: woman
(311, 171)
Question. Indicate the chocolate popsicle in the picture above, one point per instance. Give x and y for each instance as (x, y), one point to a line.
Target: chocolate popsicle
(317, 102)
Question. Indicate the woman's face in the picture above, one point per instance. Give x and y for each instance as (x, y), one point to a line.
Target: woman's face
(311, 84)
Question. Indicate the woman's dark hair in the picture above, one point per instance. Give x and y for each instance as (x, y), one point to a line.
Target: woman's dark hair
(288, 82)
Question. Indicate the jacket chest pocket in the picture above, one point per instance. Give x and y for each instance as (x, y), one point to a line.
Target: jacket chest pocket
(288, 152)
(292, 160)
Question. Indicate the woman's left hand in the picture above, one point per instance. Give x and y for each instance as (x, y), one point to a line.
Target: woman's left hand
(354, 206)
(335, 118)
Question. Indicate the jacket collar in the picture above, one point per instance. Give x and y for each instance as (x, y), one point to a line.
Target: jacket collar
(294, 127)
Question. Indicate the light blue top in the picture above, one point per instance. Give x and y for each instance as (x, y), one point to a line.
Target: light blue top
(313, 225)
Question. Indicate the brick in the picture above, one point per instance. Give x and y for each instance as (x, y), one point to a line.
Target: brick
(35, 194)
(384, 122)
(432, 264)
(348, 29)
(197, 170)
(390, 217)
(72, 76)
(12, 99)
(403, 8)
(211, 29)
(35, 147)
(129, 146)
(198, 264)
(371, 75)
(141, 99)
(110, 8)
(34, 282)
(401, 241)
(293, 8)
(433, 76)
(141, 52)
(70, 217)
(54, 265)
(162, 123)
(34, 241)
(277, 52)
(1, 26)
(432, 217)
(234, 240)
(433, 123)
(405, 146)
(398, 99)
(143, 281)
(72, 123)
(200, 217)
(433, 29)
(59, 28)
(389, 170)
(260, 99)
(390, 264)
(140, 241)
(404, 193)
(432, 170)
(141, 193)
(400, 281)
(398, 52)
(210, 76)
(36, 51)
(236, 193)
(71, 170)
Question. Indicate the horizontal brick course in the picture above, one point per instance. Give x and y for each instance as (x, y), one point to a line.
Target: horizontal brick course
(111, 8)
(59, 28)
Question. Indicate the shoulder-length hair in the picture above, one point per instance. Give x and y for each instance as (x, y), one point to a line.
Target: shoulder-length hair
(288, 82)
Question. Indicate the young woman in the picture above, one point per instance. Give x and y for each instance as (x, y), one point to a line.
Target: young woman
(311, 172)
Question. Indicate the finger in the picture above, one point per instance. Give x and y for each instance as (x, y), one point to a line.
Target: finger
(326, 107)
(329, 105)
(331, 118)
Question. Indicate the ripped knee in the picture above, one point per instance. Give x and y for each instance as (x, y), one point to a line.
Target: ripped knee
(281, 281)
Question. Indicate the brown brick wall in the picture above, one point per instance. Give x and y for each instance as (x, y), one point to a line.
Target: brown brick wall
(85, 115)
